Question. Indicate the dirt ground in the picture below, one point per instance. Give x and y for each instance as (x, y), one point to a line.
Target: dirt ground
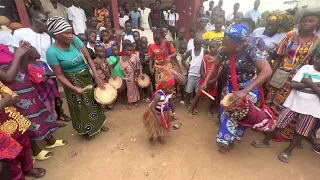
(189, 153)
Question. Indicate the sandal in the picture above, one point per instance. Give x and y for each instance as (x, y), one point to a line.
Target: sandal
(58, 143)
(42, 155)
(36, 173)
(284, 157)
(104, 129)
(260, 144)
(177, 126)
(148, 100)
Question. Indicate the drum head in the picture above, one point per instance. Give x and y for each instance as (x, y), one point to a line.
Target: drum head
(106, 96)
(116, 83)
(145, 82)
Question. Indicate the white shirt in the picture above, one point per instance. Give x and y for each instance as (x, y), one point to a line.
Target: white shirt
(39, 41)
(270, 42)
(6, 38)
(122, 21)
(211, 27)
(90, 47)
(145, 18)
(190, 44)
(230, 17)
(301, 102)
(78, 18)
(48, 8)
(195, 63)
(171, 18)
(253, 14)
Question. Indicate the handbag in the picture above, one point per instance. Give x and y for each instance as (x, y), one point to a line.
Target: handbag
(280, 77)
(84, 59)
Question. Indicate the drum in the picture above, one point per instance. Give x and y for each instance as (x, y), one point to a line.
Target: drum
(115, 82)
(145, 82)
(179, 78)
(106, 96)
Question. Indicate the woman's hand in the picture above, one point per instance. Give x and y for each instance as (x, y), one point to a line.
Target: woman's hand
(204, 86)
(239, 96)
(99, 82)
(24, 46)
(80, 90)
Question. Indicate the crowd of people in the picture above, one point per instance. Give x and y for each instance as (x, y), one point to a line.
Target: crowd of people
(265, 78)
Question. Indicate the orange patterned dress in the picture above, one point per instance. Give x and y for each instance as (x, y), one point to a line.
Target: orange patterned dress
(293, 54)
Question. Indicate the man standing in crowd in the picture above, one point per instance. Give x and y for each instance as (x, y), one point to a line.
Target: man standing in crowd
(230, 17)
(171, 19)
(9, 10)
(144, 15)
(54, 8)
(77, 18)
(156, 16)
(220, 4)
(254, 13)
(209, 11)
(38, 38)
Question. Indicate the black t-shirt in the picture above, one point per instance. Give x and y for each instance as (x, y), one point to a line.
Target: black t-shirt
(8, 9)
(143, 55)
(156, 18)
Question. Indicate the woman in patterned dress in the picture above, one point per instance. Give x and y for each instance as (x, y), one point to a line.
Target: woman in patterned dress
(291, 56)
(101, 13)
(14, 76)
(247, 60)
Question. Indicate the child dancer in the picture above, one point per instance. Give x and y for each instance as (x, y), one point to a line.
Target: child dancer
(196, 55)
(40, 76)
(157, 118)
(207, 62)
(131, 66)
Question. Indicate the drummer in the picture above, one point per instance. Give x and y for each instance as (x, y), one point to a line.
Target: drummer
(252, 61)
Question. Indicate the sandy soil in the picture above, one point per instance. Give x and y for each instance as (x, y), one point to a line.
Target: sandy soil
(190, 153)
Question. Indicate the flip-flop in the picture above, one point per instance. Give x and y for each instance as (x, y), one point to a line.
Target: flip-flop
(259, 144)
(177, 126)
(42, 155)
(58, 143)
(284, 157)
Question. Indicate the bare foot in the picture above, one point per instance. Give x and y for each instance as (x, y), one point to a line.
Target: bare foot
(161, 141)
(104, 129)
(190, 115)
(151, 142)
(36, 173)
(222, 150)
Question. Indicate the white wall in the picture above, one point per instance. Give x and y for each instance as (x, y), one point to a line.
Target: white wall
(245, 5)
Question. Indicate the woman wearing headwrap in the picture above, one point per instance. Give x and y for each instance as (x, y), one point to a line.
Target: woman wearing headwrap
(242, 61)
(277, 24)
(292, 53)
(71, 62)
(157, 118)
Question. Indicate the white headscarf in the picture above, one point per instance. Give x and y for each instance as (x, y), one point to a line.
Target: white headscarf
(57, 25)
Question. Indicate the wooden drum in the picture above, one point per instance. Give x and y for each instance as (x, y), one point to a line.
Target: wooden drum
(106, 96)
(115, 82)
(145, 82)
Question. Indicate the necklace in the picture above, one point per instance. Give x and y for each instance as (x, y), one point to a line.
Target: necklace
(306, 41)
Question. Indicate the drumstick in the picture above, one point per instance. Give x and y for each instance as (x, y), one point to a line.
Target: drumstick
(87, 87)
(211, 97)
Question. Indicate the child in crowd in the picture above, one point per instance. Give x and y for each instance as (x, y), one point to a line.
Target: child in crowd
(144, 58)
(183, 68)
(107, 24)
(203, 21)
(136, 37)
(106, 42)
(115, 63)
(103, 67)
(193, 32)
(206, 65)
(196, 55)
(131, 67)
(216, 34)
(176, 42)
(84, 39)
(122, 17)
(92, 40)
(128, 35)
(302, 105)
(135, 16)
(167, 35)
(157, 118)
(40, 76)
(113, 36)
(93, 27)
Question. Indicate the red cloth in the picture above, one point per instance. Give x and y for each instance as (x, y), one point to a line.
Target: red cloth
(208, 61)
(160, 52)
(9, 148)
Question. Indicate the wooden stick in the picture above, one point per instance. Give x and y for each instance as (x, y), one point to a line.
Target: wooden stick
(211, 97)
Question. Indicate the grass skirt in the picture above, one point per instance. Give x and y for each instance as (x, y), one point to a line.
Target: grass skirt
(154, 127)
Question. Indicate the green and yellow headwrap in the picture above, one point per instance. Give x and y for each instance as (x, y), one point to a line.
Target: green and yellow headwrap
(286, 21)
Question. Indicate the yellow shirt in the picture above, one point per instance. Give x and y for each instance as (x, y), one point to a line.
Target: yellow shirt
(210, 35)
